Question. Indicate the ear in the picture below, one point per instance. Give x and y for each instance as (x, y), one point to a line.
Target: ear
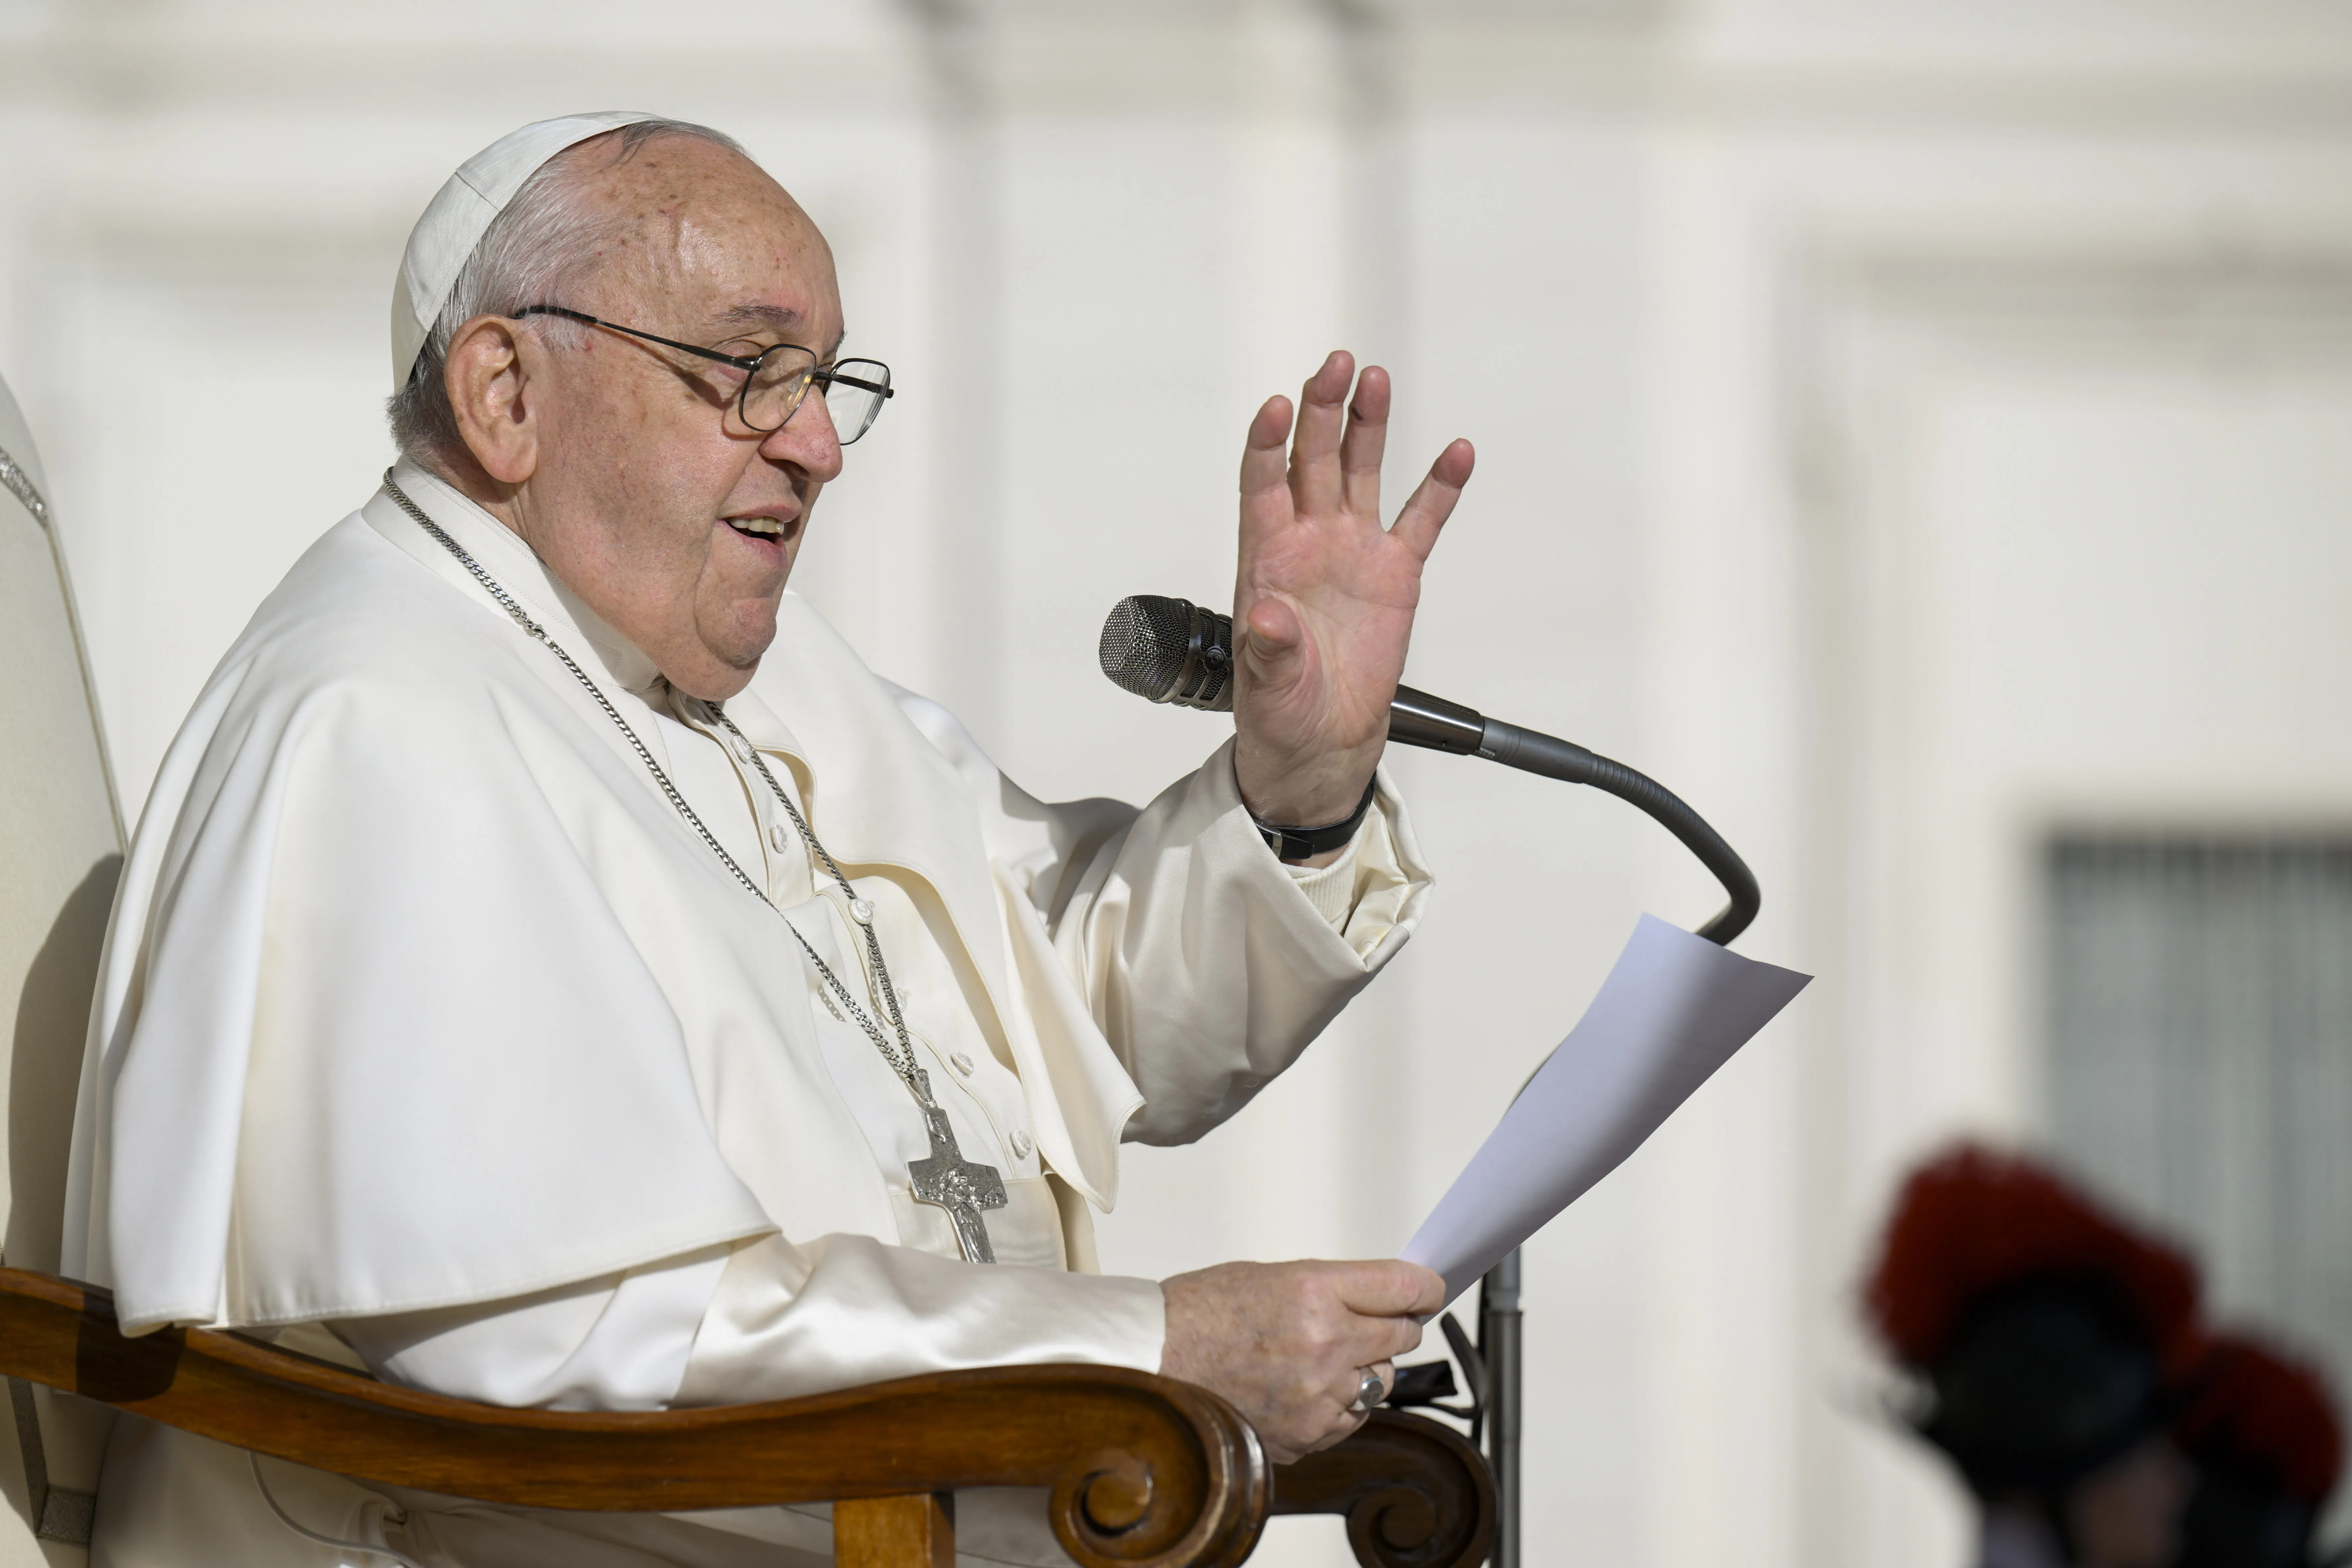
(496, 395)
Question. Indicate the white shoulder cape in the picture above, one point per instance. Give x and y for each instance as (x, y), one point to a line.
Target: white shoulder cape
(390, 824)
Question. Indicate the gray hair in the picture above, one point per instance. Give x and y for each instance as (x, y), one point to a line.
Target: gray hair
(537, 249)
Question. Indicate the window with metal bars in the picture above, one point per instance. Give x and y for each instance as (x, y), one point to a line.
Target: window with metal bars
(2200, 1056)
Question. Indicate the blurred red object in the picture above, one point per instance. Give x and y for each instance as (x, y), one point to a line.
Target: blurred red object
(2257, 1411)
(1974, 1219)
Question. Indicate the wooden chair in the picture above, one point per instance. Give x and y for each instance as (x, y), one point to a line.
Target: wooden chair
(1142, 1471)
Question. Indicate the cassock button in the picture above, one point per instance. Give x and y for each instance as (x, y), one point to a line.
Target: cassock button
(861, 911)
(1021, 1145)
(962, 1063)
(776, 835)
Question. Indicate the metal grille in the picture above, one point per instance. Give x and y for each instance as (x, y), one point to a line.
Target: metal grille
(2200, 1058)
(1142, 647)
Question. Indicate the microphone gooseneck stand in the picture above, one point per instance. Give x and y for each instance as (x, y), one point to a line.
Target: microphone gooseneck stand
(1499, 1347)
(1417, 719)
(1169, 650)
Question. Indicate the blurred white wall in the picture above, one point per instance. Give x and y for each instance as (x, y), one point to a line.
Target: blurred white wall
(1902, 428)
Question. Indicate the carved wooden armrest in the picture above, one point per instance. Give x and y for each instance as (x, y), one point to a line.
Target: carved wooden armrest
(1142, 1471)
(1415, 1492)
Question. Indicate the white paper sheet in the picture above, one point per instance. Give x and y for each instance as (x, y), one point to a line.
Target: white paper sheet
(1673, 1010)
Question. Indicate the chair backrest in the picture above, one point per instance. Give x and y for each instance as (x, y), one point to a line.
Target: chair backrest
(60, 853)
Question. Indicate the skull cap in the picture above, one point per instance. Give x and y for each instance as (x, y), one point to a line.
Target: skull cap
(458, 215)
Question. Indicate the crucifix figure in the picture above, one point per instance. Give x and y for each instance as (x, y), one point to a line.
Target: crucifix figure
(958, 1185)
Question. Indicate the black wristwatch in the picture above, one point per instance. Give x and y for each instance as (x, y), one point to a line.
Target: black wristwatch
(1305, 843)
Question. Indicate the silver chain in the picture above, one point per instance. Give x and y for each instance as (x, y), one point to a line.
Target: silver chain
(818, 852)
(20, 484)
(901, 1056)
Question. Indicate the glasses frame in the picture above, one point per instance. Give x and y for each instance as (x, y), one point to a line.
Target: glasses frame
(823, 376)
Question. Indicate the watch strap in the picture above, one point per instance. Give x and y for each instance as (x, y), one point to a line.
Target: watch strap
(1305, 842)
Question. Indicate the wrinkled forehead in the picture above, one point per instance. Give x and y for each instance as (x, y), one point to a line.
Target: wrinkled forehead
(708, 238)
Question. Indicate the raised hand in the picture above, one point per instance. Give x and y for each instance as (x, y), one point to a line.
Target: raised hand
(1324, 599)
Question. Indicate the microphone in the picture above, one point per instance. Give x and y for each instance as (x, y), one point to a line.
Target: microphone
(1171, 651)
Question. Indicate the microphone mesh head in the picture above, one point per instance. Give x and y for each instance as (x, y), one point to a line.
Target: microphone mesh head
(1143, 644)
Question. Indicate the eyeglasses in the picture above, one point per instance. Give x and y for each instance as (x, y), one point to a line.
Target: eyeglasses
(775, 380)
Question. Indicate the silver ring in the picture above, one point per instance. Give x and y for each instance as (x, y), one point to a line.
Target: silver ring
(1369, 1393)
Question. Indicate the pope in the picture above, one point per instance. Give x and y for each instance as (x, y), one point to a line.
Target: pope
(554, 970)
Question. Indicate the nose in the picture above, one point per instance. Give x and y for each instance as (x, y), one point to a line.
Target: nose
(807, 440)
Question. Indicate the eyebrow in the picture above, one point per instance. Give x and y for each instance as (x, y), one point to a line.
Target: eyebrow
(779, 318)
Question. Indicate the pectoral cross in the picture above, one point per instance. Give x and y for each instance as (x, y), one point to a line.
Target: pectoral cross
(957, 1186)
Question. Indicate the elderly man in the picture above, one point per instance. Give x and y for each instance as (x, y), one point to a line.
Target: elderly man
(554, 970)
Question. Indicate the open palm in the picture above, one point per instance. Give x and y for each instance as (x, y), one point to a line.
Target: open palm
(1324, 600)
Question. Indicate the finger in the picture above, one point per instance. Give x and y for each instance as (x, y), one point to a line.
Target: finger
(1262, 463)
(1265, 490)
(1398, 1336)
(1434, 1292)
(1276, 646)
(1367, 1342)
(1345, 1389)
(1433, 502)
(1314, 448)
(1367, 437)
(1391, 1288)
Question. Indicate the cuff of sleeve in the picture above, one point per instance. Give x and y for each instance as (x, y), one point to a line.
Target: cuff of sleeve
(1380, 884)
(1331, 889)
(1372, 895)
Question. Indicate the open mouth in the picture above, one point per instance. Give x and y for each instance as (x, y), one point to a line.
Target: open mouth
(766, 528)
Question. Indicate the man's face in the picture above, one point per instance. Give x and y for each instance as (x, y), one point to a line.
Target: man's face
(650, 499)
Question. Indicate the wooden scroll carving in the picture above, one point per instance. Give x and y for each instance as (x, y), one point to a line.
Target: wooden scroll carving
(1414, 1491)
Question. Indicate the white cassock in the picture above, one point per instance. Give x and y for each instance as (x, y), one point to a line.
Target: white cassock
(431, 1036)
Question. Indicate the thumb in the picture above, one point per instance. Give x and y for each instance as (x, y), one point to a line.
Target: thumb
(1391, 1288)
(1276, 647)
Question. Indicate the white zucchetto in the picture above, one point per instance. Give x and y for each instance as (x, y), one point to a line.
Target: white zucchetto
(459, 214)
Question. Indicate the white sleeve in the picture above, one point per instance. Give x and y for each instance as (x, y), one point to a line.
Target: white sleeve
(619, 1343)
(846, 1309)
(765, 1319)
(1363, 894)
(1207, 964)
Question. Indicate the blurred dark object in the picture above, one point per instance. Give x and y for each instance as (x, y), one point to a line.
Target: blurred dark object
(2045, 1382)
(2050, 1337)
(2263, 1432)
(1426, 1386)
